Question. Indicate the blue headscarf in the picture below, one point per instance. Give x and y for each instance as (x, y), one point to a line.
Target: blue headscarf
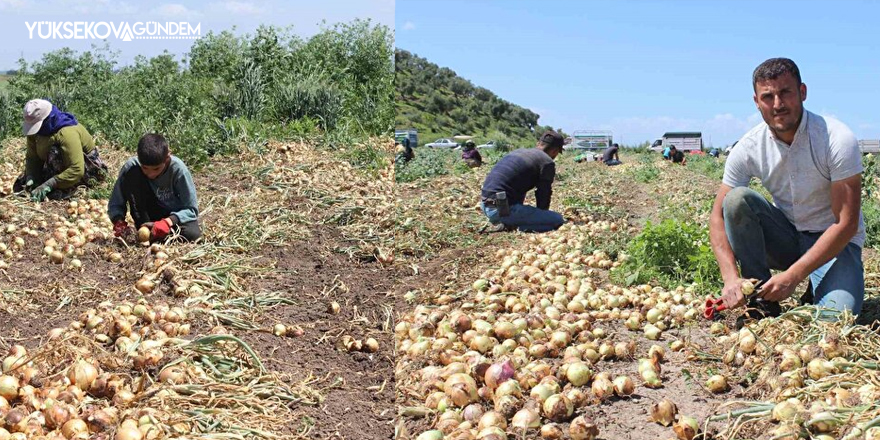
(56, 120)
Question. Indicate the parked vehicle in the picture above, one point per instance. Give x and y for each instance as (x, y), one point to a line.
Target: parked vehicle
(869, 146)
(593, 140)
(490, 144)
(412, 134)
(683, 141)
(442, 143)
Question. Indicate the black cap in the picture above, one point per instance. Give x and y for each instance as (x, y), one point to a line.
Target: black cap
(552, 139)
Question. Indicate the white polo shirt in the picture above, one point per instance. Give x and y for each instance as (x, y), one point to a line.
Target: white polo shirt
(799, 176)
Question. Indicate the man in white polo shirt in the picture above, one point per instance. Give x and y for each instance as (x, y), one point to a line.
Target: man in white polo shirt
(812, 167)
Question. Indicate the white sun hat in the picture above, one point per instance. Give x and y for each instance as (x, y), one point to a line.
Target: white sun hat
(35, 112)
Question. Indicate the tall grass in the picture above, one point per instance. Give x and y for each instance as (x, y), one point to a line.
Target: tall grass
(228, 91)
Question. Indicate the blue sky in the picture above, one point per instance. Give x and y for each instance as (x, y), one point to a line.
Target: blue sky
(641, 68)
(216, 15)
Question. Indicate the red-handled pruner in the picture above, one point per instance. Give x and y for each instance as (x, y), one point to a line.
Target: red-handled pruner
(715, 305)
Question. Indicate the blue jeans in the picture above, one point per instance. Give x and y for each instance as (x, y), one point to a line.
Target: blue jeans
(762, 238)
(612, 162)
(526, 218)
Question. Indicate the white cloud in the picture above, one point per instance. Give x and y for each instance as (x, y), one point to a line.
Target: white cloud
(408, 26)
(13, 5)
(175, 11)
(241, 8)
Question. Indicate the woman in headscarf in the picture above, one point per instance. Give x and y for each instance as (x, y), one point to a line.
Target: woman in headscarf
(61, 154)
(470, 155)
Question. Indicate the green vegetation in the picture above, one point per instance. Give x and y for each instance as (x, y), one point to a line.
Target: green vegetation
(439, 103)
(230, 90)
(670, 252)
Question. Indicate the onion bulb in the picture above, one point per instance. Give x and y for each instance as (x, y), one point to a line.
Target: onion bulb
(819, 368)
(558, 408)
(788, 411)
(434, 434)
(602, 388)
(652, 379)
(578, 373)
(717, 383)
(583, 428)
(143, 235)
(526, 418)
(74, 427)
(663, 412)
(490, 419)
(686, 428)
(129, 433)
(652, 332)
(462, 389)
(8, 387)
(623, 386)
(144, 285)
(82, 374)
(551, 431)
(498, 373)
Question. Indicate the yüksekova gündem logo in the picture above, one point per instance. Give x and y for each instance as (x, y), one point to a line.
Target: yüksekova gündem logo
(103, 30)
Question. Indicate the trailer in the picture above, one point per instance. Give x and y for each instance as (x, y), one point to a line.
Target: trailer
(590, 140)
(412, 134)
(683, 141)
(869, 146)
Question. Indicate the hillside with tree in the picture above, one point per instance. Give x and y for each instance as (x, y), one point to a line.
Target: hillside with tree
(439, 103)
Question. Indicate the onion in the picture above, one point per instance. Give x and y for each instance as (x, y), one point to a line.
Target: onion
(492, 419)
(82, 374)
(788, 411)
(542, 391)
(558, 408)
(551, 431)
(747, 341)
(824, 421)
(371, 345)
(819, 368)
(578, 373)
(664, 412)
(143, 234)
(461, 388)
(498, 373)
(652, 332)
(686, 428)
(472, 412)
(279, 330)
(526, 418)
(787, 431)
(8, 387)
(74, 427)
(583, 428)
(57, 415)
(623, 386)
(173, 374)
(509, 388)
(434, 434)
(144, 285)
(56, 257)
(652, 379)
(492, 433)
(4, 434)
(602, 388)
(717, 384)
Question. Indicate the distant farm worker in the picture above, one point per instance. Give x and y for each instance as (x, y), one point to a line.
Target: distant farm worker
(61, 154)
(666, 152)
(505, 188)
(811, 166)
(610, 156)
(677, 156)
(404, 152)
(158, 189)
(471, 155)
(714, 152)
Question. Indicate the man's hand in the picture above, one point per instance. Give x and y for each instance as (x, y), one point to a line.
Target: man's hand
(160, 229)
(120, 227)
(779, 287)
(41, 192)
(732, 294)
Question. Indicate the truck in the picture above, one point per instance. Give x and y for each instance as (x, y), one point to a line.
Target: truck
(683, 141)
(869, 146)
(410, 133)
(592, 140)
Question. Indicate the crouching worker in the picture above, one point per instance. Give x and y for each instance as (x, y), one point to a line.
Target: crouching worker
(61, 154)
(505, 188)
(158, 189)
(470, 155)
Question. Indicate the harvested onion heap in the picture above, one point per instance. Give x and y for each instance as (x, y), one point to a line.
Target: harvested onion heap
(526, 352)
(813, 374)
(82, 400)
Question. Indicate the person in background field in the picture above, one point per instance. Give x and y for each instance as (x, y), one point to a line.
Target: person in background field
(404, 152)
(812, 167)
(61, 154)
(158, 189)
(610, 156)
(677, 156)
(666, 152)
(714, 152)
(470, 155)
(504, 190)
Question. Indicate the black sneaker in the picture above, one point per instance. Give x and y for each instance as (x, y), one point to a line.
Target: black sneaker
(758, 309)
(500, 227)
